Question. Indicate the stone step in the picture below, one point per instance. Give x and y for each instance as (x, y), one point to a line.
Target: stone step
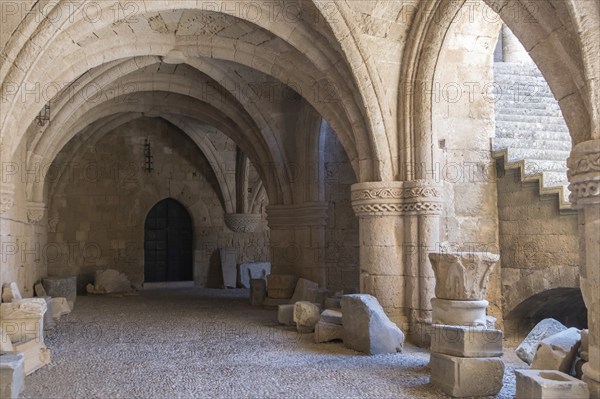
(500, 143)
(516, 68)
(531, 126)
(537, 105)
(552, 120)
(528, 135)
(504, 108)
(521, 90)
(535, 154)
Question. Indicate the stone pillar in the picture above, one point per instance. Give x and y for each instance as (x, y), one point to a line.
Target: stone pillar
(584, 178)
(397, 220)
(512, 49)
(298, 240)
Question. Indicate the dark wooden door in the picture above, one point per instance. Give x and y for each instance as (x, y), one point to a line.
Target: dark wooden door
(168, 237)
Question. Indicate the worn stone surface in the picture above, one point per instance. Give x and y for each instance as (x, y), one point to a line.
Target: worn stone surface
(10, 293)
(110, 281)
(458, 313)
(557, 352)
(327, 332)
(545, 328)
(36, 354)
(549, 384)
(460, 377)
(5, 342)
(462, 276)
(281, 286)
(306, 315)
(585, 345)
(333, 303)
(39, 290)
(60, 307)
(23, 320)
(304, 291)
(332, 316)
(49, 322)
(367, 328)
(12, 374)
(466, 341)
(258, 291)
(252, 270)
(229, 267)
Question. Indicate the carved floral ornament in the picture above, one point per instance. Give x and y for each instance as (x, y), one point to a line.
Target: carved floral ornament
(242, 222)
(396, 198)
(35, 211)
(584, 173)
(7, 194)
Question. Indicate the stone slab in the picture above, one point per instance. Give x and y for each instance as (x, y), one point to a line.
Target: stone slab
(557, 352)
(367, 328)
(461, 377)
(12, 374)
(303, 291)
(327, 332)
(252, 270)
(229, 267)
(39, 290)
(35, 353)
(458, 313)
(545, 328)
(549, 384)
(281, 286)
(258, 291)
(60, 307)
(64, 287)
(332, 316)
(466, 341)
(285, 314)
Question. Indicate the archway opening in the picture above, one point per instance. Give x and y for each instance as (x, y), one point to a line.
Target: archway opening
(168, 243)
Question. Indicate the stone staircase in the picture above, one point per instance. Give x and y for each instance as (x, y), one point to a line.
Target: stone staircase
(531, 134)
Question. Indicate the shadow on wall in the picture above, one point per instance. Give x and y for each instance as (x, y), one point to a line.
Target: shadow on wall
(563, 304)
(214, 279)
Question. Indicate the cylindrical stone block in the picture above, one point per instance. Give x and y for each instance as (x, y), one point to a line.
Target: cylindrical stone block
(458, 313)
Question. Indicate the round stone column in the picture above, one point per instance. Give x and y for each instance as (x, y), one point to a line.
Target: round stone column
(398, 222)
(584, 178)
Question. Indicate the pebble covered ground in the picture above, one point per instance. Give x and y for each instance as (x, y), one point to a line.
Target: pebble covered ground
(201, 343)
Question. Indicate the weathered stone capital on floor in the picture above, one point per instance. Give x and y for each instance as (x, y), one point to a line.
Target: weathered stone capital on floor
(397, 198)
(584, 174)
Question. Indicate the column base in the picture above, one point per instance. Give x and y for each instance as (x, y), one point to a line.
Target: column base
(593, 386)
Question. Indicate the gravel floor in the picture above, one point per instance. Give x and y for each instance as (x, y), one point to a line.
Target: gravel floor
(196, 343)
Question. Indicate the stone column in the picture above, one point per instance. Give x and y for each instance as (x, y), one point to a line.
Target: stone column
(298, 240)
(396, 220)
(584, 178)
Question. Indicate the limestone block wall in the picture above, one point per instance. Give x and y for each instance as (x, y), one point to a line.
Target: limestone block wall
(539, 245)
(98, 209)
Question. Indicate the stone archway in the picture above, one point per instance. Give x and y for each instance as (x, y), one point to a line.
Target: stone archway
(168, 243)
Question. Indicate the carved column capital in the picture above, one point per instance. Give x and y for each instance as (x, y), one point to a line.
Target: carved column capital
(416, 197)
(243, 222)
(35, 211)
(7, 196)
(584, 174)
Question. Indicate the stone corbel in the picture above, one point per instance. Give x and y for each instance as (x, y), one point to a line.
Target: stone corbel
(7, 196)
(397, 198)
(35, 211)
(584, 174)
(242, 222)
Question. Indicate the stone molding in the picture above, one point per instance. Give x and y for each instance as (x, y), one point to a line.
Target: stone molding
(416, 197)
(289, 216)
(7, 196)
(584, 173)
(35, 211)
(242, 222)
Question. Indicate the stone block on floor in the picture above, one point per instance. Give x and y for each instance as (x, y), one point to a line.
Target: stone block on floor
(326, 332)
(545, 328)
(460, 377)
(35, 353)
(557, 352)
(64, 287)
(281, 286)
(258, 291)
(303, 291)
(285, 314)
(60, 307)
(549, 384)
(252, 270)
(306, 316)
(466, 341)
(12, 374)
(332, 316)
(367, 328)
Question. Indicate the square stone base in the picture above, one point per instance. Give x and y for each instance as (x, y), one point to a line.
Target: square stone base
(460, 376)
(549, 384)
(466, 341)
(12, 374)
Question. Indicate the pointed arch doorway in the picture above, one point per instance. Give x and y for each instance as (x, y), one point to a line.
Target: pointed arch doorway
(168, 243)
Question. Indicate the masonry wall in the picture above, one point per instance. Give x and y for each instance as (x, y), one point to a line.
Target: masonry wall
(97, 210)
(539, 245)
